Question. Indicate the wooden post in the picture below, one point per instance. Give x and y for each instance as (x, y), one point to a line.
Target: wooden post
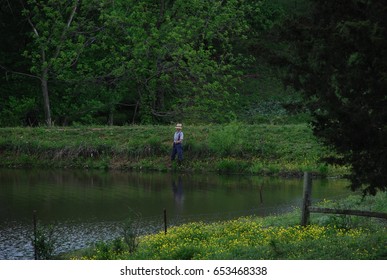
(306, 202)
(260, 194)
(165, 221)
(34, 221)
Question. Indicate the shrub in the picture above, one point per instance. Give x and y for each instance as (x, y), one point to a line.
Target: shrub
(43, 242)
(228, 140)
(130, 232)
(153, 145)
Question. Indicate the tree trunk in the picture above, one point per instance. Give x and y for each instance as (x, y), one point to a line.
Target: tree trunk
(159, 99)
(159, 106)
(111, 115)
(135, 112)
(46, 99)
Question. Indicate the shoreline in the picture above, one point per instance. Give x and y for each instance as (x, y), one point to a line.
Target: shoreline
(270, 150)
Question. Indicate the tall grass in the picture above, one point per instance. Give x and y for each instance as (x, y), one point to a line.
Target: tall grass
(227, 140)
(232, 148)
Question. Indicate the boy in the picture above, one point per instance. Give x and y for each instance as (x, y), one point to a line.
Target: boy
(177, 143)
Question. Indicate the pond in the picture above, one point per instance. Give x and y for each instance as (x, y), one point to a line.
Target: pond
(87, 206)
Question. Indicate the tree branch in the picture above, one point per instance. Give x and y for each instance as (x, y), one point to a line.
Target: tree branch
(72, 14)
(163, 114)
(30, 21)
(19, 73)
(69, 21)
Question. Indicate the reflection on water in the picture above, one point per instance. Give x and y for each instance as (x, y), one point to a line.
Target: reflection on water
(89, 206)
(178, 193)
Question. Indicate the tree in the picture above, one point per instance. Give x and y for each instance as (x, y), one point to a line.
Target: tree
(341, 67)
(60, 31)
(17, 92)
(51, 23)
(178, 55)
(168, 59)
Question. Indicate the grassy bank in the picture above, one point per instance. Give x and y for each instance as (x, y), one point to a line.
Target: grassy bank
(276, 237)
(235, 148)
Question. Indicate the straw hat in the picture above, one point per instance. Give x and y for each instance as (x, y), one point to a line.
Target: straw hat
(179, 126)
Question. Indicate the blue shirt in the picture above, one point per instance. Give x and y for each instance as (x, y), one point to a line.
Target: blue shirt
(178, 136)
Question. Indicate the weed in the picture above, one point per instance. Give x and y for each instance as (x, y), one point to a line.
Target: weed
(227, 140)
(43, 242)
(102, 251)
(229, 165)
(185, 253)
(117, 245)
(130, 232)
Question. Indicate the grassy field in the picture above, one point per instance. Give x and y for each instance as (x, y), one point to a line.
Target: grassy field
(283, 150)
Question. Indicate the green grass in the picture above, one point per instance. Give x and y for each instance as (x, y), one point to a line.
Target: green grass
(275, 237)
(233, 148)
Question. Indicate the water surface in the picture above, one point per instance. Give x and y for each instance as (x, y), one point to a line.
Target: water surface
(87, 206)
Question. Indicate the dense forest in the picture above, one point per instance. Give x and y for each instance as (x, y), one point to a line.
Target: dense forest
(150, 62)
(118, 62)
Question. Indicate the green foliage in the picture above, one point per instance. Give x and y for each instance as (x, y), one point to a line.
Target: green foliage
(103, 250)
(246, 238)
(130, 233)
(44, 242)
(177, 64)
(339, 64)
(18, 112)
(227, 140)
(127, 243)
(375, 203)
(154, 145)
(230, 166)
(141, 61)
(271, 237)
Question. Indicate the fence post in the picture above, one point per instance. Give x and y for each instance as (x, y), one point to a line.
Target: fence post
(34, 221)
(260, 194)
(306, 201)
(165, 221)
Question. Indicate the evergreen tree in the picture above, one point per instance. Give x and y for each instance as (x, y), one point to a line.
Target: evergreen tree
(341, 67)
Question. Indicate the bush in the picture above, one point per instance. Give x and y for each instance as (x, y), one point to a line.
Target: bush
(43, 242)
(18, 112)
(130, 232)
(228, 140)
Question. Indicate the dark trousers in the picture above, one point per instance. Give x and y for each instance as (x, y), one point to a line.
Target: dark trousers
(177, 149)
